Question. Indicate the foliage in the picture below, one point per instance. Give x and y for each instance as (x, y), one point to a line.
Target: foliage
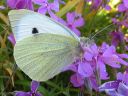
(104, 20)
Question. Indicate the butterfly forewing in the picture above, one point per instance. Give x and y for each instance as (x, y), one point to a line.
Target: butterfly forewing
(23, 21)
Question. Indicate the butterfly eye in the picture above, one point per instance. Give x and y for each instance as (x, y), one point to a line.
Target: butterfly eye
(34, 31)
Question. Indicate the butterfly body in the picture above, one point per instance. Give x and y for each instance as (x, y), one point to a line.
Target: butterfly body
(43, 46)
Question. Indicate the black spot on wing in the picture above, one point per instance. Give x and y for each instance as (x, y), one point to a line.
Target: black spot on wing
(34, 31)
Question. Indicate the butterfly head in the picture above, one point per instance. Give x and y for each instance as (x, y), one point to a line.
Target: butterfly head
(81, 49)
(86, 42)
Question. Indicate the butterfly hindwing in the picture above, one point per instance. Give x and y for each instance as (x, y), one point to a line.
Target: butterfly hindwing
(45, 56)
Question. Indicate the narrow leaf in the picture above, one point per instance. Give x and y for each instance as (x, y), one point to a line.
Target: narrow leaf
(67, 7)
(80, 7)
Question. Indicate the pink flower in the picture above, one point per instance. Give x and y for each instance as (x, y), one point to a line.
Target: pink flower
(123, 7)
(20, 4)
(92, 65)
(45, 6)
(74, 21)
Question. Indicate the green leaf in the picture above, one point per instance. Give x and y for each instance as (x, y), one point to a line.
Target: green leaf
(67, 7)
(50, 83)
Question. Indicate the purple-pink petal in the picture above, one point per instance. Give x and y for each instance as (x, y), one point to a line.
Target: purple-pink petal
(110, 51)
(39, 2)
(123, 89)
(20, 4)
(76, 31)
(79, 22)
(94, 49)
(107, 7)
(96, 3)
(33, 92)
(60, 20)
(85, 69)
(42, 10)
(115, 21)
(123, 77)
(111, 61)
(112, 92)
(47, 7)
(34, 86)
(20, 93)
(109, 85)
(70, 17)
(12, 39)
(11, 3)
(94, 83)
(52, 15)
(76, 80)
(121, 7)
(88, 56)
(117, 37)
(122, 61)
(55, 6)
(109, 57)
(102, 70)
(29, 4)
(72, 67)
(119, 76)
(103, 47)
(125, 3)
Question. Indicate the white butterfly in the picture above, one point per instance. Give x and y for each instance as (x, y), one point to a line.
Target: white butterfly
(43, 46)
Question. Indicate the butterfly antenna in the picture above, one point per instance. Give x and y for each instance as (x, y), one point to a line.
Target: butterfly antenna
(100, 31)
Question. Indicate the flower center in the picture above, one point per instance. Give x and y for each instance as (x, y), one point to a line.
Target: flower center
(70, 25)
(33, 94)
(45, 4)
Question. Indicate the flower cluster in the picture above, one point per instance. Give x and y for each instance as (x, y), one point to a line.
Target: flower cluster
(93, 64)
(90, 69)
